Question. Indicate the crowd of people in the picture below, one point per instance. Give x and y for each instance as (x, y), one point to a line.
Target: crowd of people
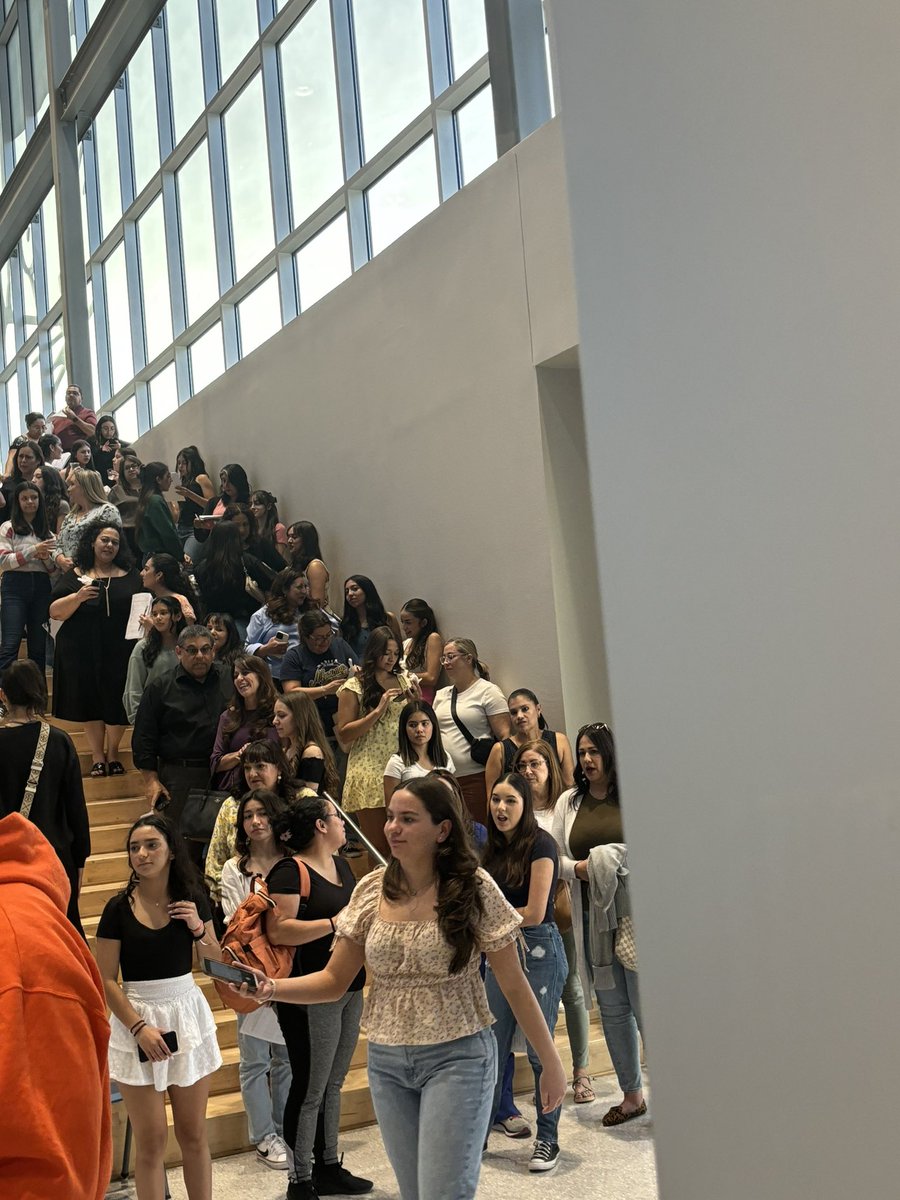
(207, 625)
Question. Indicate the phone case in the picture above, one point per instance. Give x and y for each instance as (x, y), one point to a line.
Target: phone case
(171, 1040)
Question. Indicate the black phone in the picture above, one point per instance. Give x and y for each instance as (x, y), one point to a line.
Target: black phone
(231, 974)
(171, 1040)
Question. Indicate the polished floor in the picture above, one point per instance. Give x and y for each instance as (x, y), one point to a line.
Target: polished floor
(595, 1162)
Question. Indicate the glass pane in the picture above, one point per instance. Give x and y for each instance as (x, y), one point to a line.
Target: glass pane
(237, 30)
(106, 153)
(163, 394)
(392, 65)
(35, 388)
(403, 196)
(51, 249)
(259, 315)
(142, 108)
(82, 198)
(183, 25)
(58, 364)
(38, 57)
(475, 130)
(312, 127)
(13, 416)
(126, 420)
(92, 326)
(155, 280)
(207, 358)
(198, 245)
(247, 164)
(117, 318)
(6, 306)
(468, 34)
(323, 262)
(16, 94)
(29, 295)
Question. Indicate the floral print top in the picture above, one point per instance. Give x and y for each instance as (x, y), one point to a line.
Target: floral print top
(413, 1000)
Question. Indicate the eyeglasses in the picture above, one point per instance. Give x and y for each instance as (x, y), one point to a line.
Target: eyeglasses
(193, 651)
(321, 638)
(446, 659)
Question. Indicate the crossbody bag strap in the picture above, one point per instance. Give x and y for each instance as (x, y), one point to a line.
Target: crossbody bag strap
(459, 725)
(34, 775)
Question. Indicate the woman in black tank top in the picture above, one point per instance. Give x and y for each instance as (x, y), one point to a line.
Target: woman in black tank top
(528, 726)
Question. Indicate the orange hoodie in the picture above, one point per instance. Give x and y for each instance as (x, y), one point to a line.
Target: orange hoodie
(55, 1139)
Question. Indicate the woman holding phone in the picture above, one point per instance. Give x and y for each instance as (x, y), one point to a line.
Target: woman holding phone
(163, 1035)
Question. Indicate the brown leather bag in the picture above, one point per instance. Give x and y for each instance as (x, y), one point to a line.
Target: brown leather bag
(562, 907)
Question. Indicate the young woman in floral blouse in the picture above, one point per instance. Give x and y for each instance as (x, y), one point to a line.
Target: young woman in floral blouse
(420, 925)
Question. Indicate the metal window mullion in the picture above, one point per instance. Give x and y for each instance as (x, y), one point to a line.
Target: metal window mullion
(101, 336)
(351, 128)
(25, 60)
(182, 374)
(40, 273)
(46, 405)
(209, 51)
(265, 13)
(218, 180)
(142, 405)
(22, 381)
(80, 21)
(135, 293)
(278, 177)
(177, 291)
(164, 117)
(91, 191)
(437, 41)
(9, 161)
(123, 144)
(15, 266)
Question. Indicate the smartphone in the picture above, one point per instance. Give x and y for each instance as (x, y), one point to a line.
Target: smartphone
(171, 1040)
(208, 517)
(281, 636)
(231, 974)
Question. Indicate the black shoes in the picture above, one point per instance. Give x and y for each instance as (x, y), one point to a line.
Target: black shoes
(333, 1179)
(301, 1190)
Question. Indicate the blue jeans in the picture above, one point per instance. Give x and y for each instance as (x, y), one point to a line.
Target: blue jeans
(433, 1104)
(262, 1062)
(546, 967)
(24, 606)
(620, 1013)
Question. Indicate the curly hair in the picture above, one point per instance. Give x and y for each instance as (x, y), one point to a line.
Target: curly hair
(274, 806)
(83, 556)
(296, 823)
(460, 907)
(279, 607)
(259, 719)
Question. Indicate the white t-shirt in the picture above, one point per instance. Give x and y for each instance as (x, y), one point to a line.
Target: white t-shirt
(263, 1023)
(473, 707)
(397, 769)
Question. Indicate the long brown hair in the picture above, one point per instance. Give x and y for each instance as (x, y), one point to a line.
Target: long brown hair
(310, 730)
(266, 696)
(460, 908)
(376, 646)
(508, 860)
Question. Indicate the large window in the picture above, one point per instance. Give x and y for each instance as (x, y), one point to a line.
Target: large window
(251, 157)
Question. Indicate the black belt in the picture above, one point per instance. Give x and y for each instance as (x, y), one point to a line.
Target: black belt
(185, 762)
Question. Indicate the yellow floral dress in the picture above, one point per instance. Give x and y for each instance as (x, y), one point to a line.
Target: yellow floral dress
(364, 785)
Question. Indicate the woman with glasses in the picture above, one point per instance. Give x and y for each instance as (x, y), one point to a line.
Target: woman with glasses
(585, 818)
(528, 725)
(471, 708)
(537, 762)
(319, 665)
(93, 602)
(126, 493)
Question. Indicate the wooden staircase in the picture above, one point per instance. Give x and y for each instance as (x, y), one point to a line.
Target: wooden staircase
(113, 804)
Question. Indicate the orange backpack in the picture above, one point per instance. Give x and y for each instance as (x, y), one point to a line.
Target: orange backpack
(246, 944)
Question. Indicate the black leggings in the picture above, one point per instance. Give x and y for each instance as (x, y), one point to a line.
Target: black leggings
(295, 1027)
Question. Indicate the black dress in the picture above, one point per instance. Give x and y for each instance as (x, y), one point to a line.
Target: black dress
(58, 809)
(91, 660)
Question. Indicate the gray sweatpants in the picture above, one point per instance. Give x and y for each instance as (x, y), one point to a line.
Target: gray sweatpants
(333, 1033)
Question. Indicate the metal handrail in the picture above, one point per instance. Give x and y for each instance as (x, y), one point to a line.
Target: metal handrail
(353, 825)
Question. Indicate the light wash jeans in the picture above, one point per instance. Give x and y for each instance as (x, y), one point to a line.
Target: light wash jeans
(433, 1104)
(620, 1014)
(263, 1063)
(573, 1002)
(547, 968)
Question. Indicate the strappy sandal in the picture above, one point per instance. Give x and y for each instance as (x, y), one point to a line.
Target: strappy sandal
(582, 1089)
(98, 770)
(616, 1116)
(115, 767)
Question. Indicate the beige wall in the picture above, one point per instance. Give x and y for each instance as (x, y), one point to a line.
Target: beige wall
(401, 415)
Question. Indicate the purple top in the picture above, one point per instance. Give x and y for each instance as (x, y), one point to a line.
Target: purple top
(227, 743)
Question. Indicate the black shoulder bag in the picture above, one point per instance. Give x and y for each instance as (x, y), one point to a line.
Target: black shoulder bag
(479, 748)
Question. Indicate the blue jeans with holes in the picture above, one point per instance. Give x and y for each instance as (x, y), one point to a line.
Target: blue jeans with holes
(24, 607)
(546, 971)
(265, 1075)
(433, 1104)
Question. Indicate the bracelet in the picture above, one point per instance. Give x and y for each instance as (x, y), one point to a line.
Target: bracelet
(197, 936)
(135, 1026)
(135, 1032)
(331, 922)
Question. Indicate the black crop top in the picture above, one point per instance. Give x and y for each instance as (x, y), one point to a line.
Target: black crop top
(150, 953)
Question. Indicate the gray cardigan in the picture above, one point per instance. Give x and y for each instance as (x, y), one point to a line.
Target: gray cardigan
(608, 882)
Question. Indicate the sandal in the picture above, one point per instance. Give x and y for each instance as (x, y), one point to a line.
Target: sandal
(616, 1116)
(98, 770)
(115, 767)
(584, 1093)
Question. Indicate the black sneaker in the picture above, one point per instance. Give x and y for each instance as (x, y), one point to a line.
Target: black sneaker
(544, 1156)
(301, 1189)
(333, 1179)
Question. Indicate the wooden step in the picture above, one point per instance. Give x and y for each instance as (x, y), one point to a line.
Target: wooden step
(86, 759)
(79, 737)
(108, 839)
(116, 810)
(109, 867)
(114, 787)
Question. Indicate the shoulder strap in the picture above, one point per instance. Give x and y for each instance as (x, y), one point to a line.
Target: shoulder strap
(34, 774)
(459, 725)
(305, 882)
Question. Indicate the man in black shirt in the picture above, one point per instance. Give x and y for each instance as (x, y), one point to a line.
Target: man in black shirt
(176, 721)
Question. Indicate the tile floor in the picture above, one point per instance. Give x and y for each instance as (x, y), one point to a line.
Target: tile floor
(615, 1164)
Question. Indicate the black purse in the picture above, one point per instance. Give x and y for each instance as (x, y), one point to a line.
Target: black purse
(201, 810)
(479, 748)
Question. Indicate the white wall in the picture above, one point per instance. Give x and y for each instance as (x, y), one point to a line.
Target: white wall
(734, 173)
(401, 415)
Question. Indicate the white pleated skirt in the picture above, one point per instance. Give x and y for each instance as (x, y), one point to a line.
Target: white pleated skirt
(167, 1004)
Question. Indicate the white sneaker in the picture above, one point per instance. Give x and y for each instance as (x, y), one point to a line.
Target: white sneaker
(273, 1152)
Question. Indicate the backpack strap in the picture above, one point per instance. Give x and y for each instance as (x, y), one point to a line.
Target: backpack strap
(305, 884)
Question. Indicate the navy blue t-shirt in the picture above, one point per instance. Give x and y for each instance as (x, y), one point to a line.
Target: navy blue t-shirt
(544, 847)
(317, 670)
